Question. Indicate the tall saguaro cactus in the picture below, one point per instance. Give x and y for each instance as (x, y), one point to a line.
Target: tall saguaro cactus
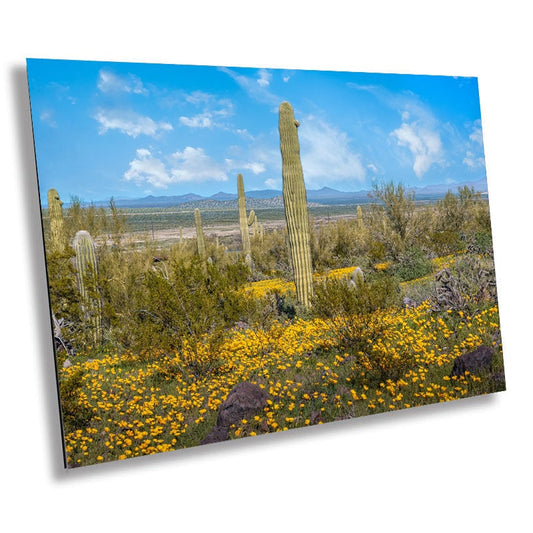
(58, 238)
(243, 221)
(87, 273)
(199, 234)
(295, 201)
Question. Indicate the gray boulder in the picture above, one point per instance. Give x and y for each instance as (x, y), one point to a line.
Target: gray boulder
(473, 362)
(244, 400)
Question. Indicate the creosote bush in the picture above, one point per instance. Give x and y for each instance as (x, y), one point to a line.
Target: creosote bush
(343, 297)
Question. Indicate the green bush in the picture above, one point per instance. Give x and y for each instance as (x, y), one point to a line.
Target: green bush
(412, 264)
(342, 297)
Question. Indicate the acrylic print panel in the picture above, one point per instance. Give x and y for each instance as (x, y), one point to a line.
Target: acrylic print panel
(236, 251)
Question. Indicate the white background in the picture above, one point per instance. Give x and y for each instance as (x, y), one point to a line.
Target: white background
(464, 466)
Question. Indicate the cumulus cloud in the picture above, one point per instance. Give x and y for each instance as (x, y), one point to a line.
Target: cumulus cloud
(109, 82)
(202, 120)
(190, 165)
(193, 164)
(272, 183)
(213, 114)
(256, 168)
(147, 169)
(130, 123)
(326, 153)
(423, 142)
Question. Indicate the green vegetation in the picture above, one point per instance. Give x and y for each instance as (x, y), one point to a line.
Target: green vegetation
(160, 334)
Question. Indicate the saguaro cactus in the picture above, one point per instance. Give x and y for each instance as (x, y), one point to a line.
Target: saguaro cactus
(359, 218)
(243, 221)
(87, 273)
(295, 201)
(199, 234)
(58, 238)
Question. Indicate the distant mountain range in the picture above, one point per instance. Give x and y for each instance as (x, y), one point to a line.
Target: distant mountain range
(273, 197)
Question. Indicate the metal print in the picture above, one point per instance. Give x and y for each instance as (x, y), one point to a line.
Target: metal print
(233, 252)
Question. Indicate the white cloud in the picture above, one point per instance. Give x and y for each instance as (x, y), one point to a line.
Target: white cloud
(256, 88)
(423, 142)
(475, 157)
(264, 78)
(476, 136)
(48, 118)
(110, 82)
(198, 97)
(193, 164)
(198, 121)
(326, 154)
(129, 123)
(256, 168)
(245, 133)
(273, 183)
(190, 165)
(215, 110)
(473, 161)
(147, 169)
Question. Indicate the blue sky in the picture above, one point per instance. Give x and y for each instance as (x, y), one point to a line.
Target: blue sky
(128, 130)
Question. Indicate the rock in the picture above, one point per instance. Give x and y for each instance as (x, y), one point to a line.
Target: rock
(409, 302)
(498, 377)
(217, 434)
(244, 400)
(473, 362)
(67, 364)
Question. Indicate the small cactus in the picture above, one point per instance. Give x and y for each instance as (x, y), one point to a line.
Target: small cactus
(295, 201)
(252, 222)
(360, 224)
(58, 238)
(243, 221)
(87, 275)
(200, 235)
(357, 276)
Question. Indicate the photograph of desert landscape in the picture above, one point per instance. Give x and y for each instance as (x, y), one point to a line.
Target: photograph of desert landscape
(233, 252)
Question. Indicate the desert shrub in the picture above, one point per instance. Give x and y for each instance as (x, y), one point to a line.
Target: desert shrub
(270, 255)
(446, 242)
(361, 338)
(398, 204)
(412, 264)
(342, 297)
(76, 414)
(481, 242)
(185, 302)
(468, 284)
